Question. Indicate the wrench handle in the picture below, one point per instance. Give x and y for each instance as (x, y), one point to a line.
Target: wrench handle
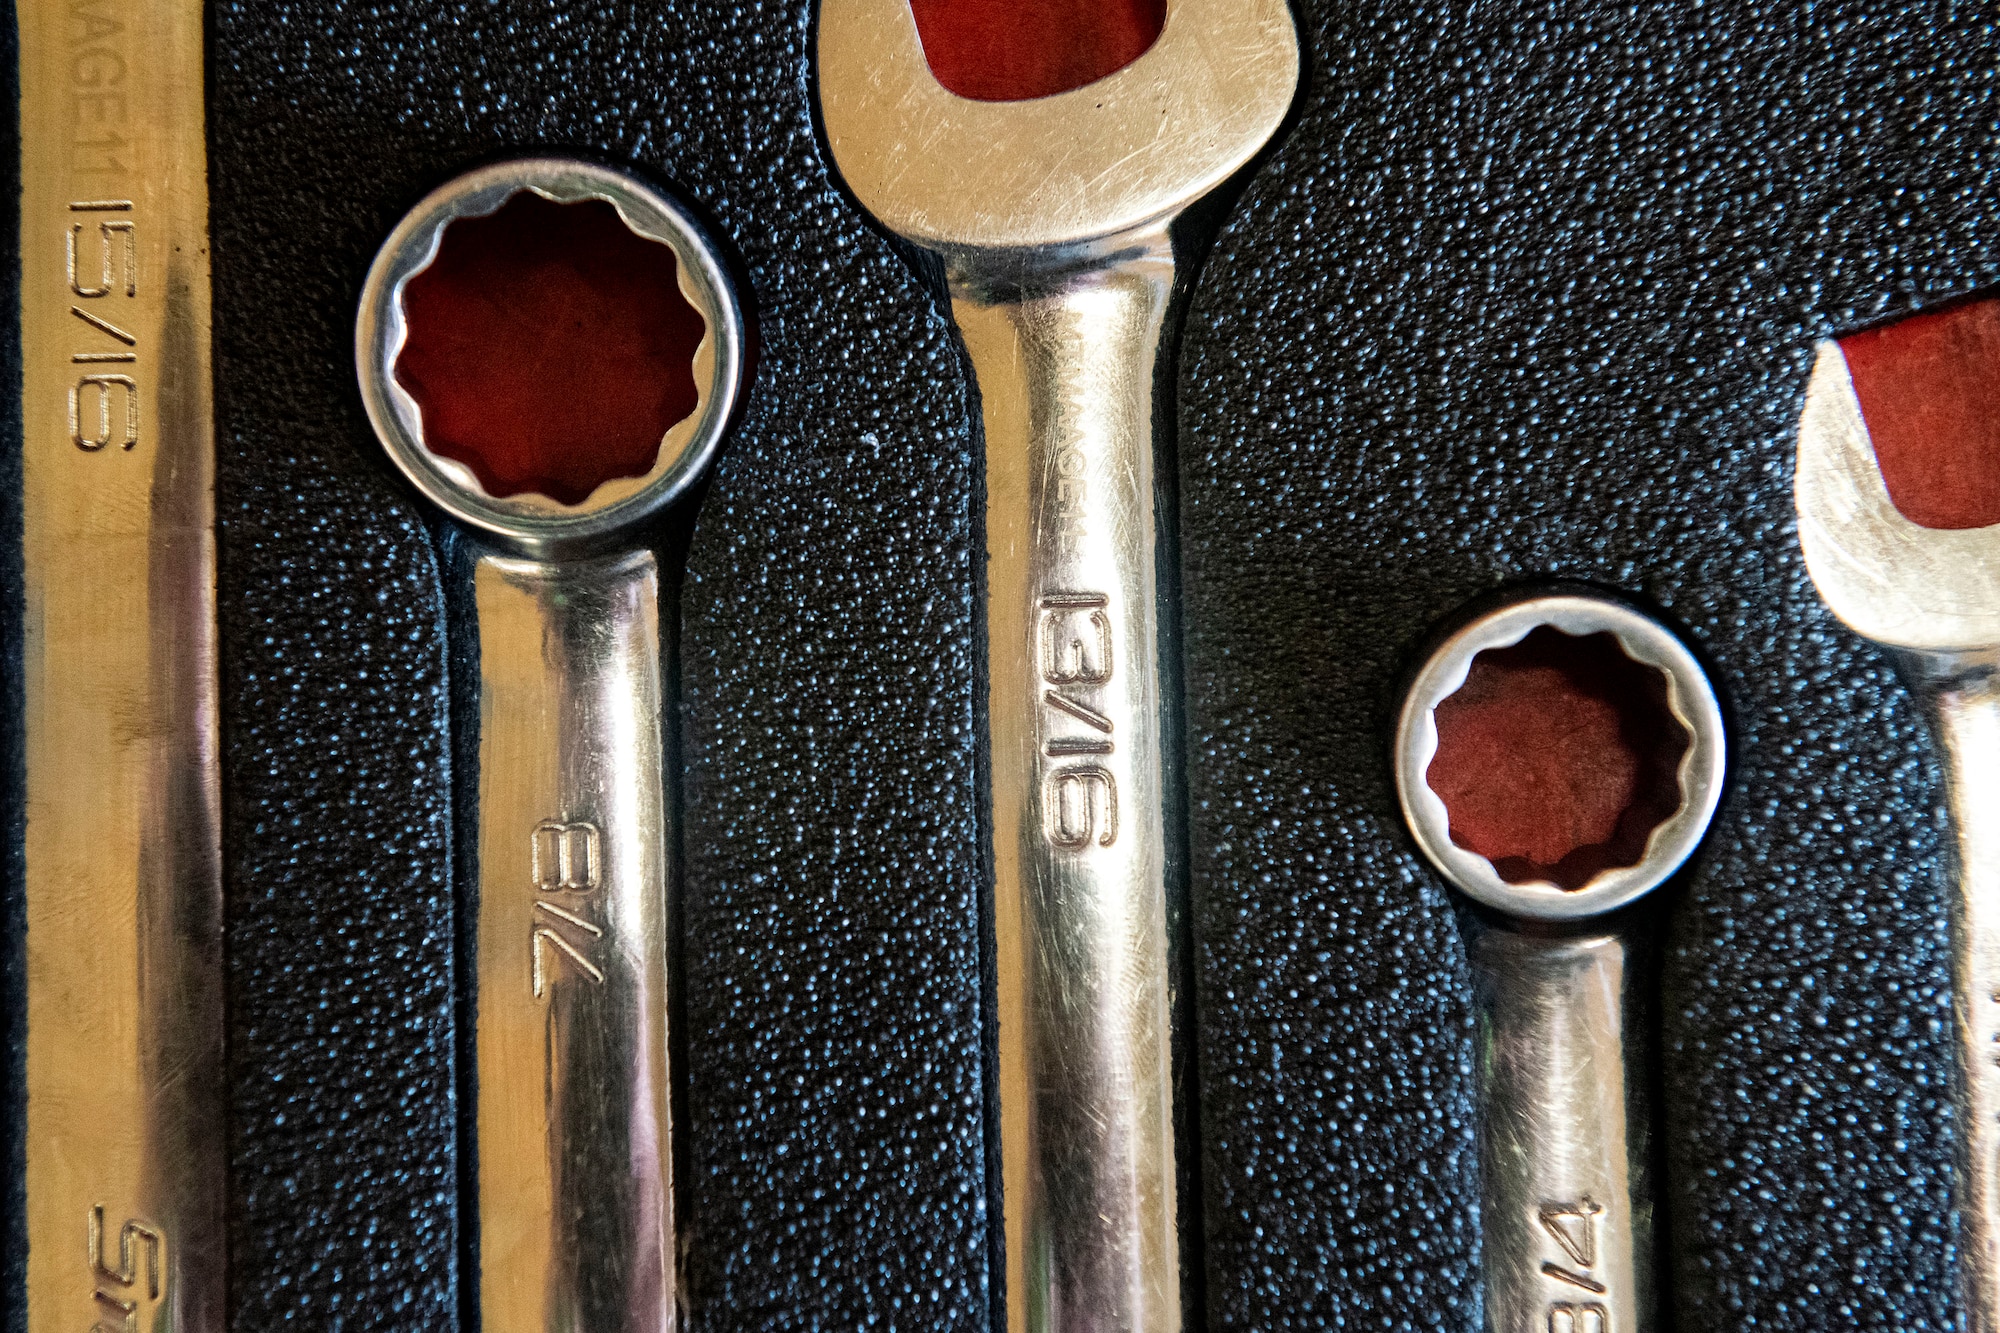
(575, 1172)
(1065, 368)
(1567, 1207)
(1964, 699)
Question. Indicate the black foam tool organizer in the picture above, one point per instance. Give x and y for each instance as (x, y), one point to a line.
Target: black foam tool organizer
(1524, 292)
(830, 983)
(1530, 291)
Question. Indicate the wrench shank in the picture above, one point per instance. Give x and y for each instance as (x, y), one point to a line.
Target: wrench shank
(126, 1082)
(575, 1174)
(1963, 695)
(1065, 370)
(1567, 1208)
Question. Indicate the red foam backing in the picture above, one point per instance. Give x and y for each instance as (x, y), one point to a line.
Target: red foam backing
(1558, 757)
(1929, 388)
(1012, 50)
(549, 347)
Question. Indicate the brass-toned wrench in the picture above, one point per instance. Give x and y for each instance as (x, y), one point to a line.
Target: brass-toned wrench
(1932, 597)
(1567, 1199)
(126, 1157)
(1051, 216)
(574, 1169)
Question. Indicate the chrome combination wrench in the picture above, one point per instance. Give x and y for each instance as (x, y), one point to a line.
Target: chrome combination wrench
(1929, 592)
(574, 1165)
(123, 1175)
(1566, 1194)
(1051, 217)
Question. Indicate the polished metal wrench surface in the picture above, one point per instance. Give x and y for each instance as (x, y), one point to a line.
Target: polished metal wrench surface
(1932, 597)
(1051, 216)
(125, 1080)
(1568, 1193)
(576, 1229)
(1566, 1189)
(575, 1179)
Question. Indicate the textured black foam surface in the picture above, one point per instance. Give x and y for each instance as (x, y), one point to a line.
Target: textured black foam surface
(1531, 291)
(835, 1108)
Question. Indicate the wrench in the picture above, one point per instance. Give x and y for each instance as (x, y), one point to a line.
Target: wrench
(1931, 596)
(1567, 1198)
(123, 1173)
(1051, 217)
(574, 1168)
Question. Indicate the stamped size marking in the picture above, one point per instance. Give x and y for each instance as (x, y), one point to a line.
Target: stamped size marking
(1076, 639)
(124, 918)
(115, 238)
(1570, 1317)
(1079, 800)
(565, 857)
(135, 1281)
(566, 860)
(1082, 807)
(1573, 1228)
(101, 259)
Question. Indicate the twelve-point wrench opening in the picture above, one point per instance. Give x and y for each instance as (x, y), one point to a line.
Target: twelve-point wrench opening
(535, 487)
(1602, 844)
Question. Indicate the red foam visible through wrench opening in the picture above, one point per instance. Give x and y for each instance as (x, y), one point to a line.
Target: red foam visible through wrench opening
(549, 347)
(1012, 50)
(1929, 388)
(1558, 757)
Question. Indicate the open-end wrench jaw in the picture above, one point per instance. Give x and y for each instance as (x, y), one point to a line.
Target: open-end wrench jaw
(1056, 174)
(1928, 591)
(1932, 597)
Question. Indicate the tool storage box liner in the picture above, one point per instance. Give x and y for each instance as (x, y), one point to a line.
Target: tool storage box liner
(1516, 294)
